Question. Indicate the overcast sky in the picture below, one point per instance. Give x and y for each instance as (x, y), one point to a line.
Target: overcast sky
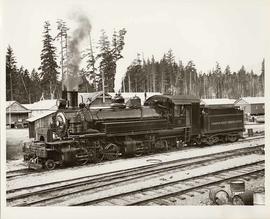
(233, 33)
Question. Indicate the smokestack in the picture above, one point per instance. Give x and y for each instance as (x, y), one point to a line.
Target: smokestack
(64, 92)
(72, 98)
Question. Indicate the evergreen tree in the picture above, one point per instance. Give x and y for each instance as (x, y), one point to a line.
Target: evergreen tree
(179, 84)
(218, 80)
(110, 53)
(84, 86)
(35, 87)
(11, 72)
(62, 35)
(21, 92)
(153, 73)
(49, 73)
(91, 70)
(191, 78)
(170, 72)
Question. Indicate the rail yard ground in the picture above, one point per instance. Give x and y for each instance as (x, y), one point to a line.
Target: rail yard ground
(254, 182)
(200, 196)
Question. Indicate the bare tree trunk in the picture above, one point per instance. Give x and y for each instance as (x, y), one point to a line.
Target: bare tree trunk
(129, 90)
(154, 81)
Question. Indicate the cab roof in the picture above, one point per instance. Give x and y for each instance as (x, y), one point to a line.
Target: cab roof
(176, 99)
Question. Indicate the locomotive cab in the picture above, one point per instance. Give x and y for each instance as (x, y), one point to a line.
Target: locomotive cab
(180, 110)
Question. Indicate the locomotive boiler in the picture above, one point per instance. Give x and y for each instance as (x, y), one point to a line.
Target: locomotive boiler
(81, 134)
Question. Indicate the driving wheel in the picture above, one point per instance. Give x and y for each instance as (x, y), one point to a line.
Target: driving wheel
(50, 164)
(111, 151)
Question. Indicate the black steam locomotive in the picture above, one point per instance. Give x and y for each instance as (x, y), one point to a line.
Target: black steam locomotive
(81, 134)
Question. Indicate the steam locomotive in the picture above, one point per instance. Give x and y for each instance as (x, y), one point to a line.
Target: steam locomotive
(80, 134)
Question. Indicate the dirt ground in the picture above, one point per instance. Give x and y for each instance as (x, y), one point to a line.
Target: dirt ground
(14, 139)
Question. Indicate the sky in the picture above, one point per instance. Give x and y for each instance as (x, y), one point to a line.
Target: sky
(230, 32)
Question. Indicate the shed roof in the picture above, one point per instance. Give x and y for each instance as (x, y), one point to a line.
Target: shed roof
(15, 107)
(9, 103)
(176, 99)
(251, 100)
(40, 116)
(42, 105)
(217, 101)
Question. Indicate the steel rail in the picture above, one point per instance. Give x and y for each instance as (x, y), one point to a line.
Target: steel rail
(126, 176)
(169, 194)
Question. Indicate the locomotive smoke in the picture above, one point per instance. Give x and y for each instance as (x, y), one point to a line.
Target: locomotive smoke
(73, 79)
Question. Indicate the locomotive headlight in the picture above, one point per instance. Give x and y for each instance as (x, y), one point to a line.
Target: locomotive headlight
(61, 124)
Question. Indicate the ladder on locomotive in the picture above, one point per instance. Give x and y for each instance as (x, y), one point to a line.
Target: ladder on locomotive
(187, 134)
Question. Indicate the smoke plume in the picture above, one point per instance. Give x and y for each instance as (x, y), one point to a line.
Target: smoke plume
(73, 79)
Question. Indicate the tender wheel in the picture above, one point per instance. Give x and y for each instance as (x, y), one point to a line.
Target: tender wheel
(232, 138)
(111, 151)
(210, 141)
(82, 156)
(139, 150)
(50, 164)
(162, 145)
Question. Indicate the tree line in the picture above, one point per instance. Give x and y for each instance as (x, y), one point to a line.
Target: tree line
(27, 86)
(170, 77)
(166, 75)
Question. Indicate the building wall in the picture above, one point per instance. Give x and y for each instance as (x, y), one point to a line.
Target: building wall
(245, 107)
(16, 117)
(38, 112)
(251, 108)
(257, 109)
(39, 127)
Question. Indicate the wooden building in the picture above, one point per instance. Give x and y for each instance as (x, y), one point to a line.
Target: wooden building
(38, 125)
(251, 105)
(218, 102)
(42, 106)
(16, 114)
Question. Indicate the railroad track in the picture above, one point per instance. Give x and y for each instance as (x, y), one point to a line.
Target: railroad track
(53, 193)
(19, 172)
(172, 189)
(25, 171)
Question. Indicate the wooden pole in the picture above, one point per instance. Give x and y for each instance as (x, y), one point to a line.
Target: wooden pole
(103, 87)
